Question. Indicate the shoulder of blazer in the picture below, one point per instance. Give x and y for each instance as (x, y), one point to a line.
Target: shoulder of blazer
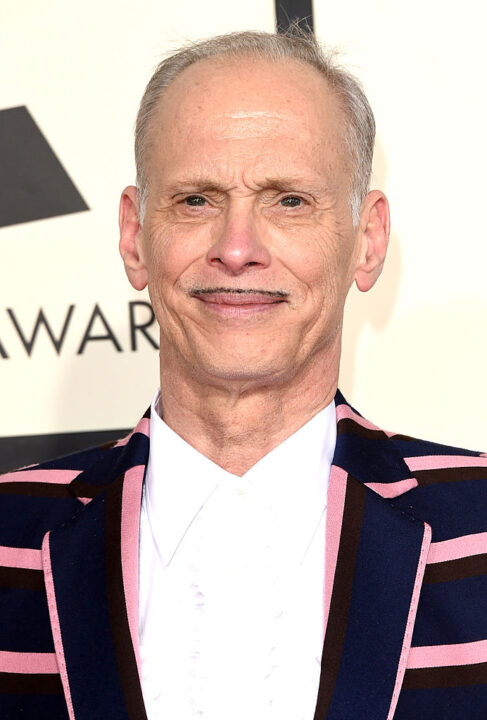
(38, 498)
(442, 671)
(442, 485)
(36, 504)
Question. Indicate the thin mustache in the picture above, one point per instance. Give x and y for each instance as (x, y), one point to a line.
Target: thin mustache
(238, 291)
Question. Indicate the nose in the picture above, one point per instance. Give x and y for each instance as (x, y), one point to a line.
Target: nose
(238, 245)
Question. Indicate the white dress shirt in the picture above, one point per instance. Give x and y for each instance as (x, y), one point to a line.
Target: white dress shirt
(232, 578)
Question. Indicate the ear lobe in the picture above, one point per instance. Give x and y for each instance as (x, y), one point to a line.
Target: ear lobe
(130, 244)
(374, 229)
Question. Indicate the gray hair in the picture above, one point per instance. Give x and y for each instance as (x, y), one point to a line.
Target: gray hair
(295, 44)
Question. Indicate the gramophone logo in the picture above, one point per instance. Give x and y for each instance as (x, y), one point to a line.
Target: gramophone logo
(33, 183)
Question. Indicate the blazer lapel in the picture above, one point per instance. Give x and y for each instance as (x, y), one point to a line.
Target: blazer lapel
(91, 574)
(375, 562)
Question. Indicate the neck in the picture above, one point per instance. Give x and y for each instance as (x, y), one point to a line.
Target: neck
(235, 426)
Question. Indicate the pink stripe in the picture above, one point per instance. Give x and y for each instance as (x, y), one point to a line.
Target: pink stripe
(443, 655)
(131, 499)
(406, 645)
(436, 462)
(142, 427)
(344, 411)
(48, 476)
(393, 489)
(55, 626)
(26, 663)
(334, 515)
(123, 441)
(458, 547)
(20, 558)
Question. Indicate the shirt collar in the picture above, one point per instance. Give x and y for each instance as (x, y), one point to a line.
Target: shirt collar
(292, 480)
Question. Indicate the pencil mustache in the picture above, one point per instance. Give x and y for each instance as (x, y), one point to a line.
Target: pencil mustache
(238, 291)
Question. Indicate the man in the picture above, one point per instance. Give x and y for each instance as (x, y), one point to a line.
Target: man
(255, 548)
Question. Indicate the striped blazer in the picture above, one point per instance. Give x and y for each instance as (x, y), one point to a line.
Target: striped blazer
(405, 598)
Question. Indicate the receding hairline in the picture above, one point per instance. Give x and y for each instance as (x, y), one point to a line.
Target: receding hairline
(294, 44)
(223, 62)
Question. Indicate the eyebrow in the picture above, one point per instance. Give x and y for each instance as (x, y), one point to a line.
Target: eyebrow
(284, 184)
(281, 184)
(200, 183)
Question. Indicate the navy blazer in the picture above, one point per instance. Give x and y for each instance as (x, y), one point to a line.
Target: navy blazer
(405, 596)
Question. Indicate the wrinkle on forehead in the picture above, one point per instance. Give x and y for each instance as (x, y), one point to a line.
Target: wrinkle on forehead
(242, 115)
(248, 124)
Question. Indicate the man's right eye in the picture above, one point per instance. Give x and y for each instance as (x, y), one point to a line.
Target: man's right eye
(195, 200)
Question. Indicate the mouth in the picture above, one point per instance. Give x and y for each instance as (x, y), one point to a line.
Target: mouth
(239, 302)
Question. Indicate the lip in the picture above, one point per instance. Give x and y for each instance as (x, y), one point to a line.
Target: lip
(239, 304)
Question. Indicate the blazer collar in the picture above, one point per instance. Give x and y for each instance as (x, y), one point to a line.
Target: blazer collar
(375, 558)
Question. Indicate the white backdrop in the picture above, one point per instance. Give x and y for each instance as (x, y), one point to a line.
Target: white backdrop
(413, 348)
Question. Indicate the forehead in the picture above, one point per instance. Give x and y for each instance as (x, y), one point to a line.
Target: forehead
(221, 105)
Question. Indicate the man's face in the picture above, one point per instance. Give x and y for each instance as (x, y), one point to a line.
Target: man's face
(248, 245)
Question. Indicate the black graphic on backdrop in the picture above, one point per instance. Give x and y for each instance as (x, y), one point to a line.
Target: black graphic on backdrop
(34, 185)
(289, 11)
(28, 449)
(61, 197)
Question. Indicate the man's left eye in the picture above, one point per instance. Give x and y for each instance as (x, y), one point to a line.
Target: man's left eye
(291, 201)
(195, 200)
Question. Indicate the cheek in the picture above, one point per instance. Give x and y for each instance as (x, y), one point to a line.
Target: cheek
(322, 265)
(315, 260)
(171, 253)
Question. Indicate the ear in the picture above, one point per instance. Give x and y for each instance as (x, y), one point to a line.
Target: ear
(373, 238)
(130, 244)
